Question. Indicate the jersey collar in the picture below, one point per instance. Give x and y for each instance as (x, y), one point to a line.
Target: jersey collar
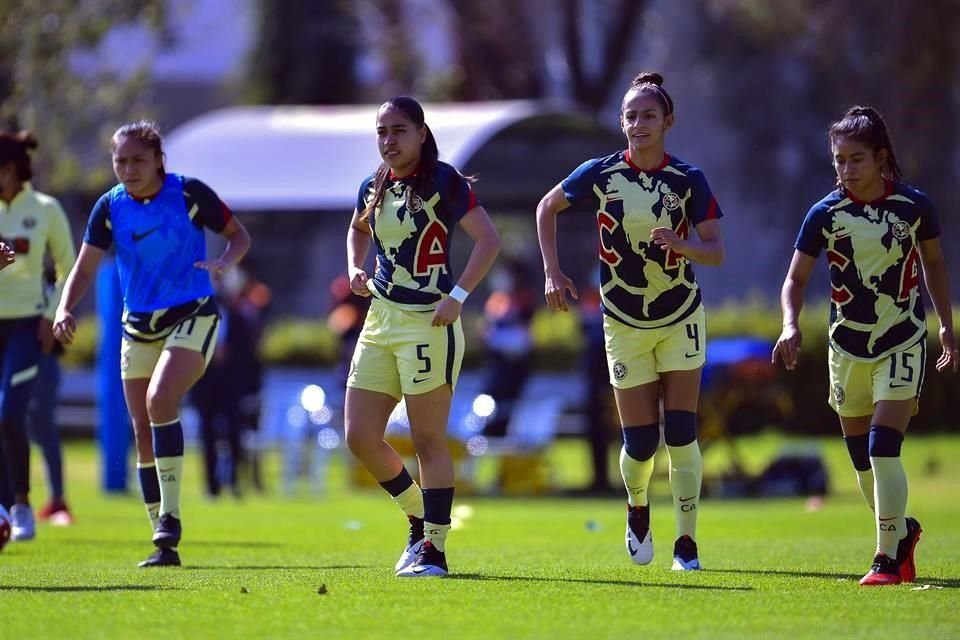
(887, 192)
(666, 161)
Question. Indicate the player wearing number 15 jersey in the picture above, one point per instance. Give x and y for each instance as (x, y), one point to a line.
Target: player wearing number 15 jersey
(876, 232)
(411, 344)
(648, 204)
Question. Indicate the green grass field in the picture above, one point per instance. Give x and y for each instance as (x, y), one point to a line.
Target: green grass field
(540, 567)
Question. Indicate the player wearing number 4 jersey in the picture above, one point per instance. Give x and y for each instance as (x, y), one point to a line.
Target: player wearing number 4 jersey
(156, 222)
(411, 345)
(647, 205)
(877, 232)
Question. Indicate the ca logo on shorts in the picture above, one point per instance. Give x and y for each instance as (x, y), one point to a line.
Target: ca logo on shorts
(670, 201)
(124, 362)
(838, 394)
(619, 371)
(901, 230)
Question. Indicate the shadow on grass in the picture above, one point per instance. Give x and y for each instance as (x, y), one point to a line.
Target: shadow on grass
(267, 567)
(616, 583)
(241, 544)
(67, 589)
(946, 583)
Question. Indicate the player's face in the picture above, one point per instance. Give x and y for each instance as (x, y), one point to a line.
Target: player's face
(643, 122)
(859, 168)
(399, 141)
(137, 166)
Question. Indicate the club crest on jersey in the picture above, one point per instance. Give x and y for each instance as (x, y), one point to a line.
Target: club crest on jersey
(838, 394)
(29, 222)
(901, 230)
(619, 371)
(670, 201)
(414, 202)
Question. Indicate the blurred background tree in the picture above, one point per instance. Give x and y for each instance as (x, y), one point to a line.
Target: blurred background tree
(44, 86)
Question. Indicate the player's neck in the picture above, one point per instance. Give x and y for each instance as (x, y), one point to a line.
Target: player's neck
(10, 190)
(873, 191)
(648, 159)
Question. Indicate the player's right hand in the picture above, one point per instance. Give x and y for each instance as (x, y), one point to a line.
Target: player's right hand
(555, 290)
(7, 256)
(358, 283)
(64, 326)
(788, 347)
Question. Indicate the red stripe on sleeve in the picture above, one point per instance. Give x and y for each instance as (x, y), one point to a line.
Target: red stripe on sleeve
(227, 214)
(712, 209)
(472, 202)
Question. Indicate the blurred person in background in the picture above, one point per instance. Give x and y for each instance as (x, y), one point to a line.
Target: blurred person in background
(411, 345)
(156, 221)
(647, 205)
(227, 397)
(507, 315)
(42, 425)
(878, 232)
(32, 224)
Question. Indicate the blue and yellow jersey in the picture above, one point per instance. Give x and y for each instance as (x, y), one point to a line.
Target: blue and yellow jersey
(412, 235)
(31, 224)
(158, 240)
(641, 284)
(874, 267)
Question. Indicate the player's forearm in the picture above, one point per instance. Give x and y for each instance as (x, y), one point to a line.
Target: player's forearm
(547, 236)
(238, 244)
(709, 252)
(791, 302)
(482, 257)
(75, 288)
(938, 286)
(358, 245)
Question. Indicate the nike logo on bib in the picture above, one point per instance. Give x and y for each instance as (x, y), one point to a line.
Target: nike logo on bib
(137, 237)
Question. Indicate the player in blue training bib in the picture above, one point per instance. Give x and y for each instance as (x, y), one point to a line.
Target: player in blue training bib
(877, 232)
(155, 221)
(647, 205)
(411, 345)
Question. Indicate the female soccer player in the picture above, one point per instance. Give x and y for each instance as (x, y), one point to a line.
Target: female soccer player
(875, 229)
(156, 221)
(647, 202)
(412, 344)
(31, 223)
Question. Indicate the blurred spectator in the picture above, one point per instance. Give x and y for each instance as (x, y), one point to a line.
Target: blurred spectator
(345, 320)
(507, 315)
(42, 426)
(597, 394)
(228, 396)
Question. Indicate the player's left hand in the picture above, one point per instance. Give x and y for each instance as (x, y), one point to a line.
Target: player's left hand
(45, 334)
(7, 256)
(446, 312)
(950, 358)
(666, 238)
(215, 267)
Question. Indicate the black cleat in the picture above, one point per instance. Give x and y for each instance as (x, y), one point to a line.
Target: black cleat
(685, 557)
(430, 562)
(167, 533)
(162, 557)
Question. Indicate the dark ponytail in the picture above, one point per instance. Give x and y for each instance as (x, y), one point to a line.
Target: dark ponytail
(866, 126)
(14, 148)
(429, 154)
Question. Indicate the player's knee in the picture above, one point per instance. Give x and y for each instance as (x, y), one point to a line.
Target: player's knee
(430, 444)
(859, 449)
(641, 443)
(885, 442)
(679, 427)
(162, 405)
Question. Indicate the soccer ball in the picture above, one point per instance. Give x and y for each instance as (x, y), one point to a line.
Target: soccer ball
(5, 527)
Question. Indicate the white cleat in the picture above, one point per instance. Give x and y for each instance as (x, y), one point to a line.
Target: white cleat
(639, 540)
(409, 556)
(23, 524)
(430, 562)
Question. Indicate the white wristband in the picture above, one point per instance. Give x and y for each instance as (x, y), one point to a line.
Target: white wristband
(459, 294)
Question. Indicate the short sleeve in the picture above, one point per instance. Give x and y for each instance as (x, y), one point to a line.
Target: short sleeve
(458, 195)
(702, 205)
(363, 193)
(929, 219)
(811, 239)
(578, 186)
(212, 213)
(99, 233)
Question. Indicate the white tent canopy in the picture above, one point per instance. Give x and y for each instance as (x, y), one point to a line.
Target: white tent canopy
(303, 158)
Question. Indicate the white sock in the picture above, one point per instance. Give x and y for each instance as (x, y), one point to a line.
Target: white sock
(865, 480)
(686, 476)
(411, 501)
(636, 478)
(890, 496)
(170, 470)
(436, 534)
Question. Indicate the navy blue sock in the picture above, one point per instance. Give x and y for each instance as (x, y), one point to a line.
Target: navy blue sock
(398, 485)
(859, 449)
(437, 504)
(149, 483)
(641, 442)
(167, 440)
(679, 427)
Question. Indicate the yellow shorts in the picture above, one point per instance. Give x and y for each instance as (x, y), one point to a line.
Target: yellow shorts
(855, 387)
(196, 333)
(639, 356)
(399, 353)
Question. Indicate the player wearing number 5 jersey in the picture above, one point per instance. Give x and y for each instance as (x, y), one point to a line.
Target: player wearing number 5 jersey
(648, 204)
(876, 232)
(155, 220)
(411, 344)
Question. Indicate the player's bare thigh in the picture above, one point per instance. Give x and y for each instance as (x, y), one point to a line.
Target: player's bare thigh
(177, 370)
(365, 415)
(894, 414)
(639, 405)
(135, 394)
